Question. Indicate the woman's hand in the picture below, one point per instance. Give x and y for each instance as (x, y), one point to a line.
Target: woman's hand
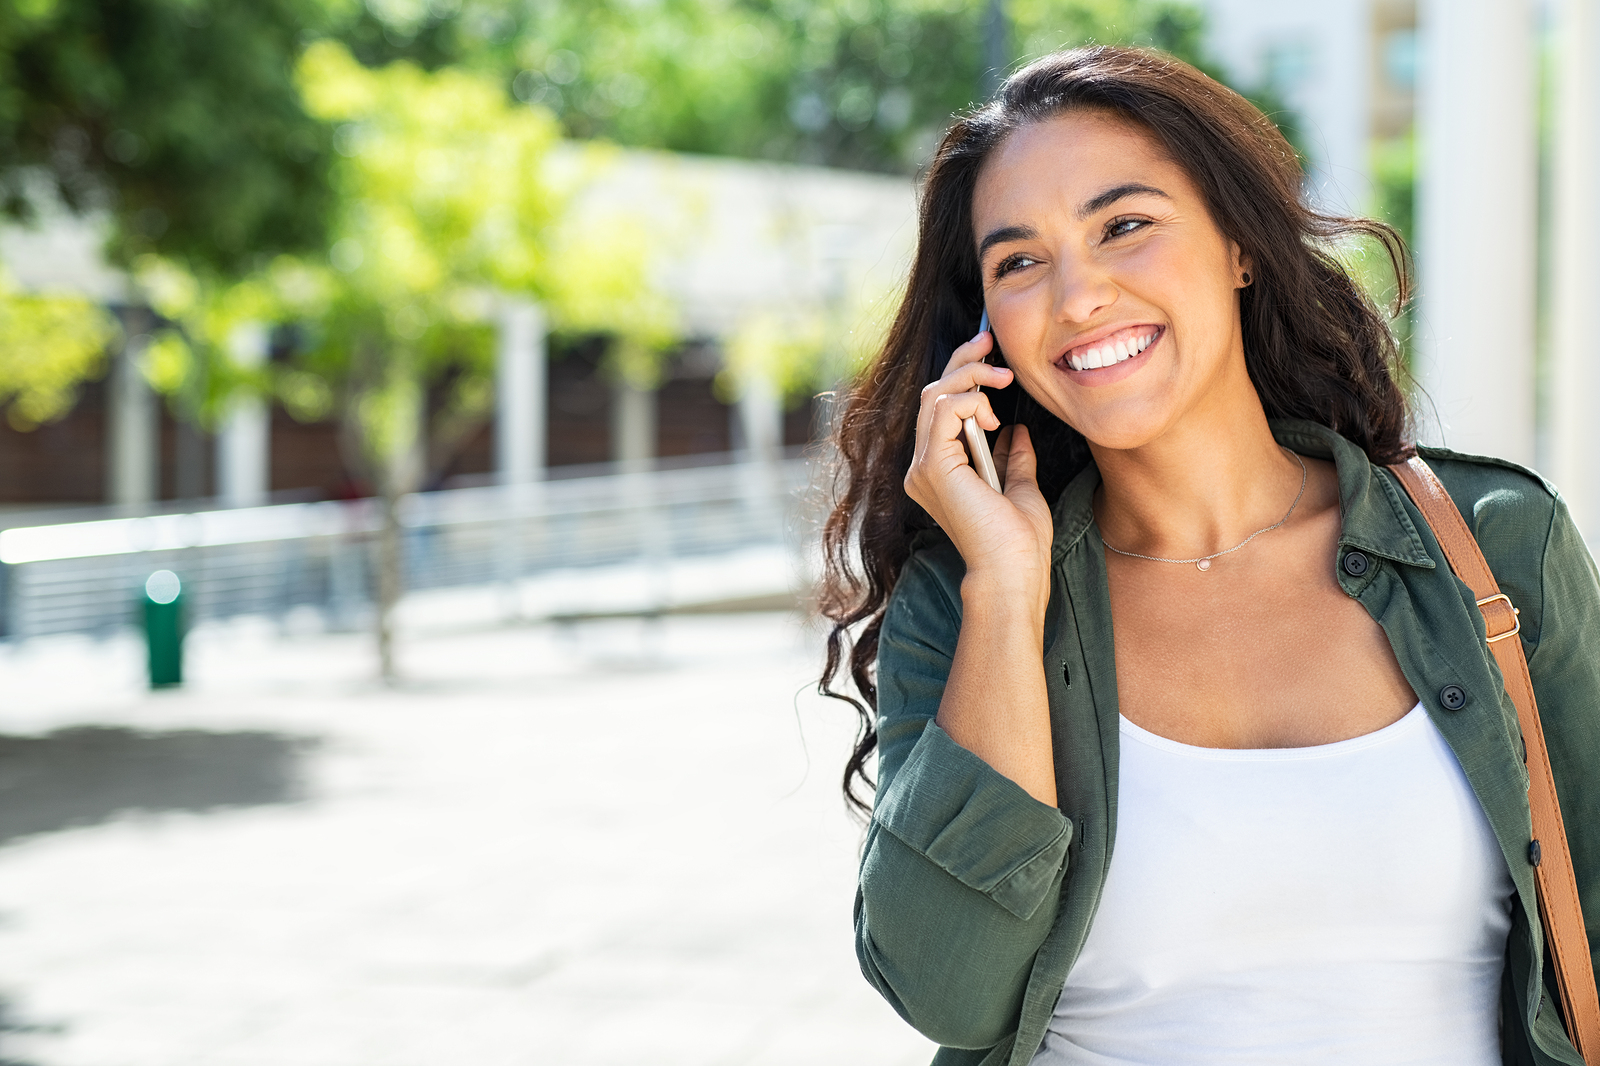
(995, 703)
(1004, 539)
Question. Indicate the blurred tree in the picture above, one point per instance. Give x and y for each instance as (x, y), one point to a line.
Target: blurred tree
(449, 198)
(867, 84)
(48, 344)
(179, 118)
(179, 122)
(1394, 177)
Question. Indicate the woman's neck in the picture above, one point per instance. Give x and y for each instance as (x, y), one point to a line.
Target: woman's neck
(1201, 487)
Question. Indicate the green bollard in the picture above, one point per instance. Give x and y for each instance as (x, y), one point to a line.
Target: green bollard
(163, 628)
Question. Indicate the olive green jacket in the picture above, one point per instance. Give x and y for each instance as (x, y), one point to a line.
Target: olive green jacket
(975, 898)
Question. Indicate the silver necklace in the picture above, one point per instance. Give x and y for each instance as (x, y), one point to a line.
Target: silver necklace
(1203, 563)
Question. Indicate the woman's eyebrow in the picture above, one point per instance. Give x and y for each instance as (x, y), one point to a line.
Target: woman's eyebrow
(1112, 195)
(1006, 233)
(1098, 203)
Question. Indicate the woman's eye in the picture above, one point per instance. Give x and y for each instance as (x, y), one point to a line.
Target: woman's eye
(1011, 263)
(1122, 226)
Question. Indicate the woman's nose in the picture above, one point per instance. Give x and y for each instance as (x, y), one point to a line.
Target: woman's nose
(1083, 289)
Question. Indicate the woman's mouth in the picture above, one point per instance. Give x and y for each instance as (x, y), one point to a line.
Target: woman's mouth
(1117, 348)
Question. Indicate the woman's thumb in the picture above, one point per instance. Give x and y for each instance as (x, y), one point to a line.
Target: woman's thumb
(1022, 465)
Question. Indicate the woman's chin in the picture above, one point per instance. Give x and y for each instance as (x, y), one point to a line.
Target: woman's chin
(1125, 427)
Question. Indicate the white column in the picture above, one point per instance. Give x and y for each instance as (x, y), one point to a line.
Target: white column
(1478, 221)
(1318, 58)
(132, 431)
(761, 445)
(633, 426)
(761, 420)
(633, 447)
(244, 450)
(1574, 381)
(521, 383)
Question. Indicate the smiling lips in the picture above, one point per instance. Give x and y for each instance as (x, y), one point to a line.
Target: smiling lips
(1117, 348)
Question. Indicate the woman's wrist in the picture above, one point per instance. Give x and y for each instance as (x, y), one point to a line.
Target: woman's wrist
(1005, 596)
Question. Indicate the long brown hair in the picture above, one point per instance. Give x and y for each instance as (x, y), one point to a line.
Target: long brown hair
(1316, 344)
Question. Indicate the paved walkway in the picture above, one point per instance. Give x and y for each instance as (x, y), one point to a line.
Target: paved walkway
(613, 842)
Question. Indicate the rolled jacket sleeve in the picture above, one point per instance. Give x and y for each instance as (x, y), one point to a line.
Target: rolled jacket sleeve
(962, 869)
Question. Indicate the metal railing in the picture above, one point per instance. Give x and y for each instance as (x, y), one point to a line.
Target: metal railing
(84, 576)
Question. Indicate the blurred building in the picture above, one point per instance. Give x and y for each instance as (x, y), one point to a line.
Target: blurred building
(1344, 69)
(731, 241)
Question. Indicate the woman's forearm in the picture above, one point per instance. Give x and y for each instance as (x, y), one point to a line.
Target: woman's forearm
(995, 704)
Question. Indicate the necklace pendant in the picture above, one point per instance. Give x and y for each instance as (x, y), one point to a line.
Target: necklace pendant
(1203, 565)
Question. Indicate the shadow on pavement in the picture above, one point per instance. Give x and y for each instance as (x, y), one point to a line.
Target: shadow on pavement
(85, 775)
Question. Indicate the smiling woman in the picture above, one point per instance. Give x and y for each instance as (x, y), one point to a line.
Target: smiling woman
(1201, 620)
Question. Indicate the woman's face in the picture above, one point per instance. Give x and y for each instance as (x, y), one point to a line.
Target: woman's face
(1112, 292)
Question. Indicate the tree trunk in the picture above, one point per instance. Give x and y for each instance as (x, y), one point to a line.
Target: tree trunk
(390, 579)
(383, 424)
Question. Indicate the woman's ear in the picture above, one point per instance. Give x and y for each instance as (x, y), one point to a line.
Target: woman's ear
(1242, 272)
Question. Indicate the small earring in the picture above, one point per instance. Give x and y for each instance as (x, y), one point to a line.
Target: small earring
(1247, 277)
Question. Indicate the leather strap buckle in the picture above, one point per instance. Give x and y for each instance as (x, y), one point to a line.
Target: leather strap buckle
(1516, 617)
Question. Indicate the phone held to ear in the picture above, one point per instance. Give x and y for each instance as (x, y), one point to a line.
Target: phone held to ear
(977, 442)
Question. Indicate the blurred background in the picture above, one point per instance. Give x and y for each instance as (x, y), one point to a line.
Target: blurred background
(414, 448)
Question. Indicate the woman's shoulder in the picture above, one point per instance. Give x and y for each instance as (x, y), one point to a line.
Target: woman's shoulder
(1486, 484)
(1520, 522)
(931, 576)
(1509, 508)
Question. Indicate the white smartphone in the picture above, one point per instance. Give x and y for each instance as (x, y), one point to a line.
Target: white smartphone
(977, 442)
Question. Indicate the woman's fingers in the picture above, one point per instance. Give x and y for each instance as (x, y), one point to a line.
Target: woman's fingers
(967, 378)
(972, 351)
(1015, 459)
(960, 379)
(967, 369)
(1002, 451)
(941, 451)
(939, 424)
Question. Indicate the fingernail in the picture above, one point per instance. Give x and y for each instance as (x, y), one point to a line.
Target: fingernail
(977, 335)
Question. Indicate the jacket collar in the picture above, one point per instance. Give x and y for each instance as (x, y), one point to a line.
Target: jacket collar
(1373, 517)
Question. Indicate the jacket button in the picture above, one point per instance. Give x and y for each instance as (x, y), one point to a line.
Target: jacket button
(1534, 853)
(1453, 697)
(1356, 563)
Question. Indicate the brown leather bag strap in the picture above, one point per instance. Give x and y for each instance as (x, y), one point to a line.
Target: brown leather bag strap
(1560, 911)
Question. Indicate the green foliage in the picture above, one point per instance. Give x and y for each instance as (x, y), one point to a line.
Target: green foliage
(1394, 177)
(449, 198)
(48, 344)
(867, 84)
(798, 352)
(179, 116)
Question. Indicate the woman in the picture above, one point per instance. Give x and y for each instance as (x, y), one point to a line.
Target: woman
(1188, 748)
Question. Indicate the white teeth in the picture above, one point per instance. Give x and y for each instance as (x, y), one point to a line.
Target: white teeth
(1112, 353)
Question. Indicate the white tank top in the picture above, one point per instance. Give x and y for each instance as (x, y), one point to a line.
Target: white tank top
(1346, 903)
